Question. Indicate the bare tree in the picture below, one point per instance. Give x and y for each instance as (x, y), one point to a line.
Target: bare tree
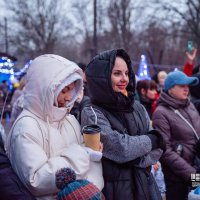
(119, 13)
(37, 25)
(154, 42)
(161, 46)
(81, 12)
(90, 17)
(185, 15)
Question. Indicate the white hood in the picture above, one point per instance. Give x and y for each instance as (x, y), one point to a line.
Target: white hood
(45, 76)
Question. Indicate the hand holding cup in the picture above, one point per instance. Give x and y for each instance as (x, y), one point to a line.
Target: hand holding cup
(91, 136)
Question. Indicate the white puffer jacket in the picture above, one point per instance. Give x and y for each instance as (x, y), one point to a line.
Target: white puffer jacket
(45, 138)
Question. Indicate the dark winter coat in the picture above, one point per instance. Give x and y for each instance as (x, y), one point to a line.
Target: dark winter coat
(78, 107)
(11, 187)
(148, 106)
(195, 94)
(177, 166)
(124, 125)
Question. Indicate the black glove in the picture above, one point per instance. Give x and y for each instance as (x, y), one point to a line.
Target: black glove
(157, 140)
(197, 148)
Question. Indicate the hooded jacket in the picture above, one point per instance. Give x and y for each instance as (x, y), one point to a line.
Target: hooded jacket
(46, 138)
(177, 166)
(124, 123)
(100, 90)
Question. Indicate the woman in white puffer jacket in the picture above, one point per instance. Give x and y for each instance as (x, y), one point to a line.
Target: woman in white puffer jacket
(45, 137)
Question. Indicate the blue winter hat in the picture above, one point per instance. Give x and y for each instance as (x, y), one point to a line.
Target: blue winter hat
(179, 78)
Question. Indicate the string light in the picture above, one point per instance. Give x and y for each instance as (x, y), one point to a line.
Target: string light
(24, 69)
(6, 62)
(143, 72)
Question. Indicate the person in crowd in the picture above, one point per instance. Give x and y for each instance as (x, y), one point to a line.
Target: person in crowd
(147, 90)
(191, 70)
(46, 137)
(130, 148)
(190, 62)
(10, 186)
(195, 93)
(5, 97)
(17, 108)
(173, 110)
(18, 91)
(4, 86)
(17, 101)
(159, 78)
(196, 69)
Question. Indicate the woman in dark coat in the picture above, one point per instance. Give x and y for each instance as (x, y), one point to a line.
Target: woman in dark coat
(129, 147)
(178, 159)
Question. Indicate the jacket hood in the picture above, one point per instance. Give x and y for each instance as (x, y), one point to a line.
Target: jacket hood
(47, 76)
(167, 100)
(98, 75)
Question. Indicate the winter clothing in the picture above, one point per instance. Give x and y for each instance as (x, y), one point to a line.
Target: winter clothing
(196, 69)
(172, 128)
(147, 103)
(127, 152)
(195, 94)
(177, 164)
(178, 78)
(70, 188)
(188, 68)
(78, 107)
(17, 108)
(46, 138)
(10, 186)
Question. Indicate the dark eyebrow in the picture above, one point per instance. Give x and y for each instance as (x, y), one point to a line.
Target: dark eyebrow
(118, 70)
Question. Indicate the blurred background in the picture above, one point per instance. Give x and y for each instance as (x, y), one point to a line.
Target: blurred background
(79, 29)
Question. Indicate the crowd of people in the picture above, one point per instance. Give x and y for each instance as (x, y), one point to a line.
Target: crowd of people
(149, 131)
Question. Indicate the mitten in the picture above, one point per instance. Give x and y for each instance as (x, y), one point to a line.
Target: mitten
(94, 155)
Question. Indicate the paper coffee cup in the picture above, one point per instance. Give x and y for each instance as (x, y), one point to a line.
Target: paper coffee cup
(91, 136)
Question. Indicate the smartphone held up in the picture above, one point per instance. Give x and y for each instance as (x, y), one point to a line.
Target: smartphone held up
(190, 46)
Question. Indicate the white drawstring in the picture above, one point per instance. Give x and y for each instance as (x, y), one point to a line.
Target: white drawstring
(94, 114)
(48, 139)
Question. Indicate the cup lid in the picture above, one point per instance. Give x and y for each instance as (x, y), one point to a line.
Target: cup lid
(91, 129)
